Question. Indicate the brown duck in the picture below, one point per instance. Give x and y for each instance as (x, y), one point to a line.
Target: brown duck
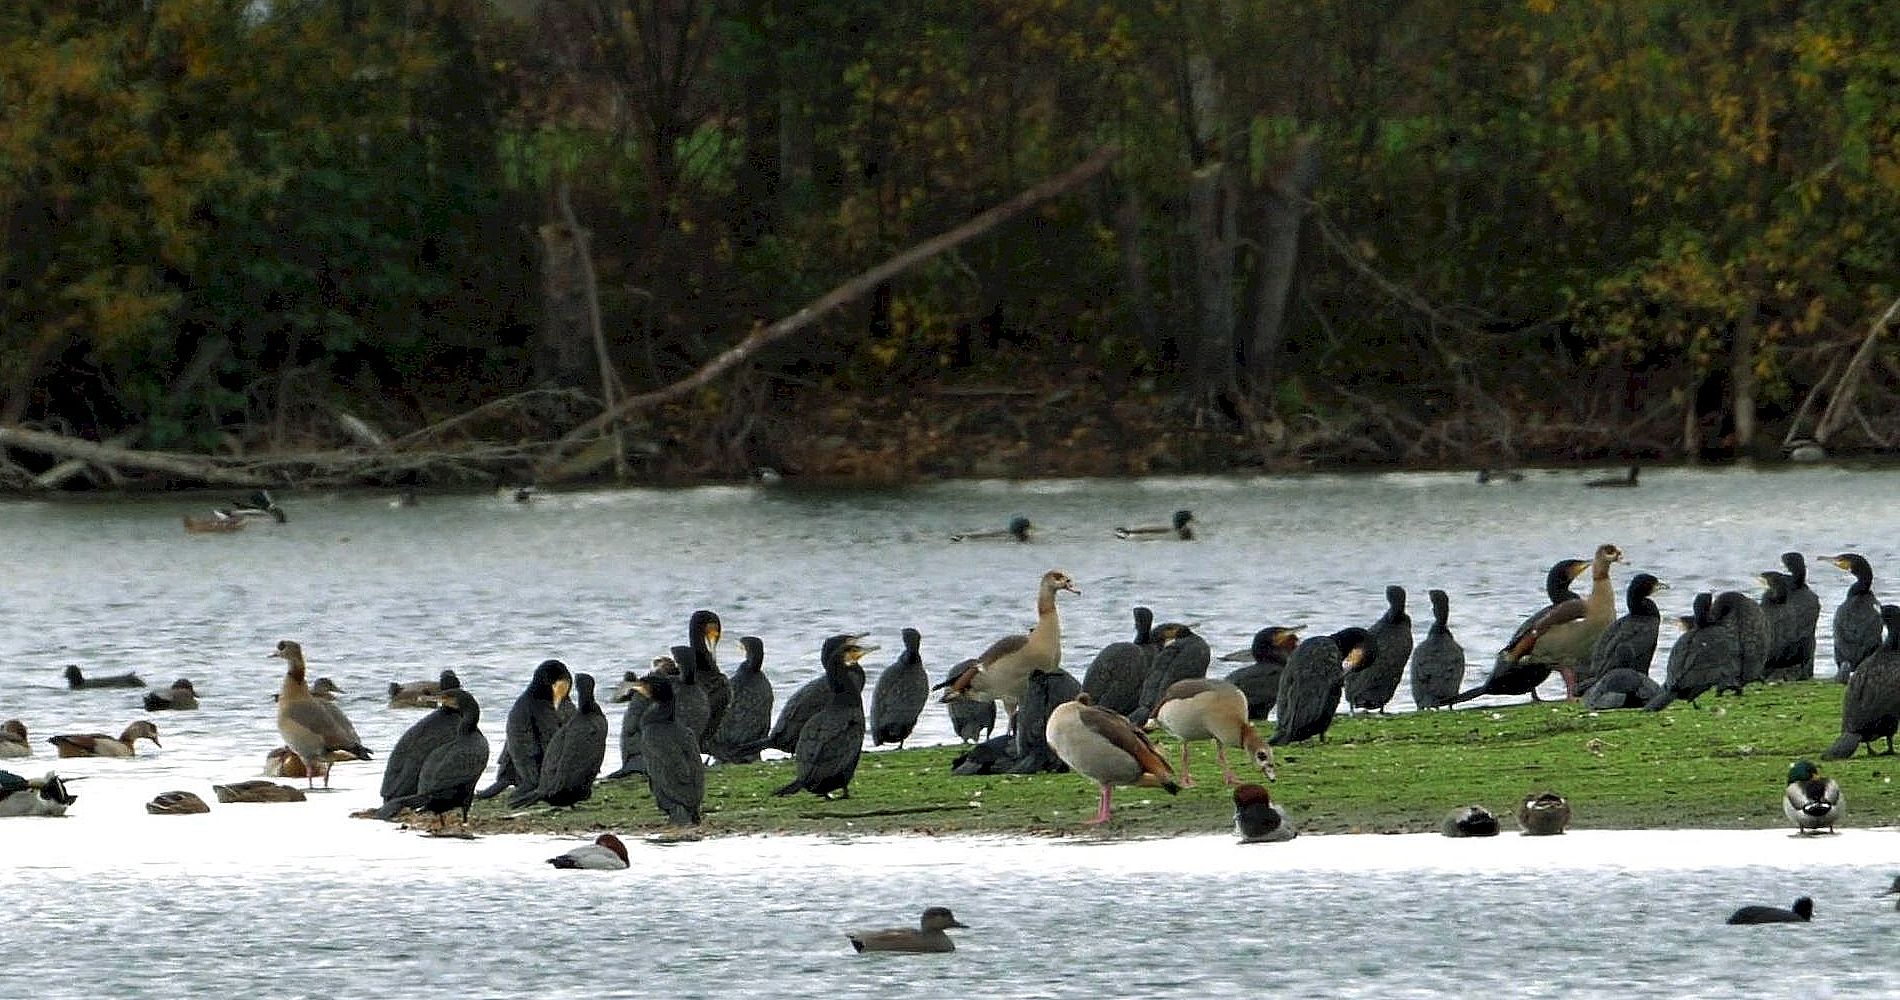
(1564, 633)
(927, 937)
(310, 730)
(101, 745)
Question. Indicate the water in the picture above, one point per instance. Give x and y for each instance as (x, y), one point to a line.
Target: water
(298, 900)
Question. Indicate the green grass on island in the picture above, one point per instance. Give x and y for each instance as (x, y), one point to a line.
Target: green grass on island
(1722, 765)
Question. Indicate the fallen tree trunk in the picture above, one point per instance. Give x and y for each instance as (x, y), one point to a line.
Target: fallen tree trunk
(192, 467)
(1841, 404)
(822, 306)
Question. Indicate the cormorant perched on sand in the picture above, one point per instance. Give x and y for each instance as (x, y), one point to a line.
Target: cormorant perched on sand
(702, 634)
(1630, 642)
(1182, 655)
(676, 773)
(1031, 752)
(1311, 684)
(405, 762)
(572, 759)
(1115, 676)
(532, 722)
(1266, 657)
(1870, 709)
(451, 771)
(749, 716)
(970, 719)
(1620, 688)
(1438, 664)
(899, 697)
(1792, 622)
(1376, 680)
(1857, 620)
(1707, 657)
(831, 742)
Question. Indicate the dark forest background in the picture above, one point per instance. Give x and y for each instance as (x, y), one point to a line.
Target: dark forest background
(1415, 232)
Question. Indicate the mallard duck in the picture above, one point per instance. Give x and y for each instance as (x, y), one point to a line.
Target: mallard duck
(258, 790)
(76, 680)
(1812, 801)
(1471, 821)
(180, 697)
(1107, 749)
(309, 729)
(928, 936)
(176, 804)
(1202, 709)
(1003, 668)
(1180, 526)
(258, 505)
(1800, 913)
(1258, 819)
(1019, 529)
(101, 745)
(34, 796)
(606, 853)
(1543, 814)
(13, 741)
(219, 523)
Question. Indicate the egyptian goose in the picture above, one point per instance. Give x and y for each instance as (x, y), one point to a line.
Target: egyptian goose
(1562, 635)
(1003, 669)
(1107, 749)
(310, 730)
(1203, 709)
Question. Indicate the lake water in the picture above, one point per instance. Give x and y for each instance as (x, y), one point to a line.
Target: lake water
(297, 900)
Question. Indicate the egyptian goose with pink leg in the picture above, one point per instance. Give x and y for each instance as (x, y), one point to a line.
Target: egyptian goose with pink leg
(1563, 634)
(1004, 668)
(1107, 749)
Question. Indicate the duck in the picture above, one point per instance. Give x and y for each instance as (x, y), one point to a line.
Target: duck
(1258, 819)
(675, 772)
(76, 680)
(13, 742)
(1003, 668)
(1372, 685)
(1793, 611)
(310, 730)
(1630, 641)
(1496, 477)
(1180, 655)
(1522, 676)
(1114, 678)
(1811, 800)
(259, 504)
(257, 790)
(1624, 481)
(1870, 708)
(968, 719)
(1857, 626)
(1031, 753)
(1019, 529)
(101, 745)
(832, 740)
(1543, 814)
(1621, 688)
(1265, 659)
(1804, 450)
(532, 722)
(1707, 656)
(421, 694)
(702, 636)
(180, 697)
(604, 853)
(749, 715)
(1108, 750)
(573, 756)
(1563, 634)
(176, 804)
(1181, 526)
(927, 937)
(1801, 913)
(1471, 821)
(451, 772)
(45, 796)
(219, 523)
(1438, 664)
(898, 699)
(1201, 709)
(1310, 686)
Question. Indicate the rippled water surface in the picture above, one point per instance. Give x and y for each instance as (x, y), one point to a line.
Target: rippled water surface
(297, 901)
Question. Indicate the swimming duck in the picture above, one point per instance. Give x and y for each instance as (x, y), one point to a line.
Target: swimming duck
(77, 680)
(1003, 669)
(1471, 821)
(1258, 819)
(832, 740)
(451, 772)
(928, 937)
(181, 696)
(899, 697)
(1870, 708)
(702, 635)
(34, 796)
(258, 505)
(532, 722)
(1857, 620)
(1800, 913)
(1376, 680)
(1627, 479)
(1563, 634)
(969, 719)
(1438, 664)
(219, 523)
(1266, 658)
(1794, 610)
(1019, 529)
(13, 740)
(749, 716)
(1107, 749)
(421, 694)
(676, 774)
(1543, 814)
(310, 729)
(573, 756)
(1115, 676)
(1180, 655)
(1203, 709)
(1522, 676)
(176, 804)
(1811, 801)
(1630, 641)
(101, 745)
(1180, 526)
(606, 853)
(1046, 689)
(1311, 684)
(257, 790)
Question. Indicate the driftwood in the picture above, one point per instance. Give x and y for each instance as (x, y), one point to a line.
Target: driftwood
(852, 290)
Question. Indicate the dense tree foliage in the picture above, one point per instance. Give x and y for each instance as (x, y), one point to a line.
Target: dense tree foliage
(1495, 227)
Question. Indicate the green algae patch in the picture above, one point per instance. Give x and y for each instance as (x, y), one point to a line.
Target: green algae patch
(1722, 765)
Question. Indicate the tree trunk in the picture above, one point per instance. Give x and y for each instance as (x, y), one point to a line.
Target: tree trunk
(1137, 289)
(1211, 214)
(1742, 380)
(1279, 252)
